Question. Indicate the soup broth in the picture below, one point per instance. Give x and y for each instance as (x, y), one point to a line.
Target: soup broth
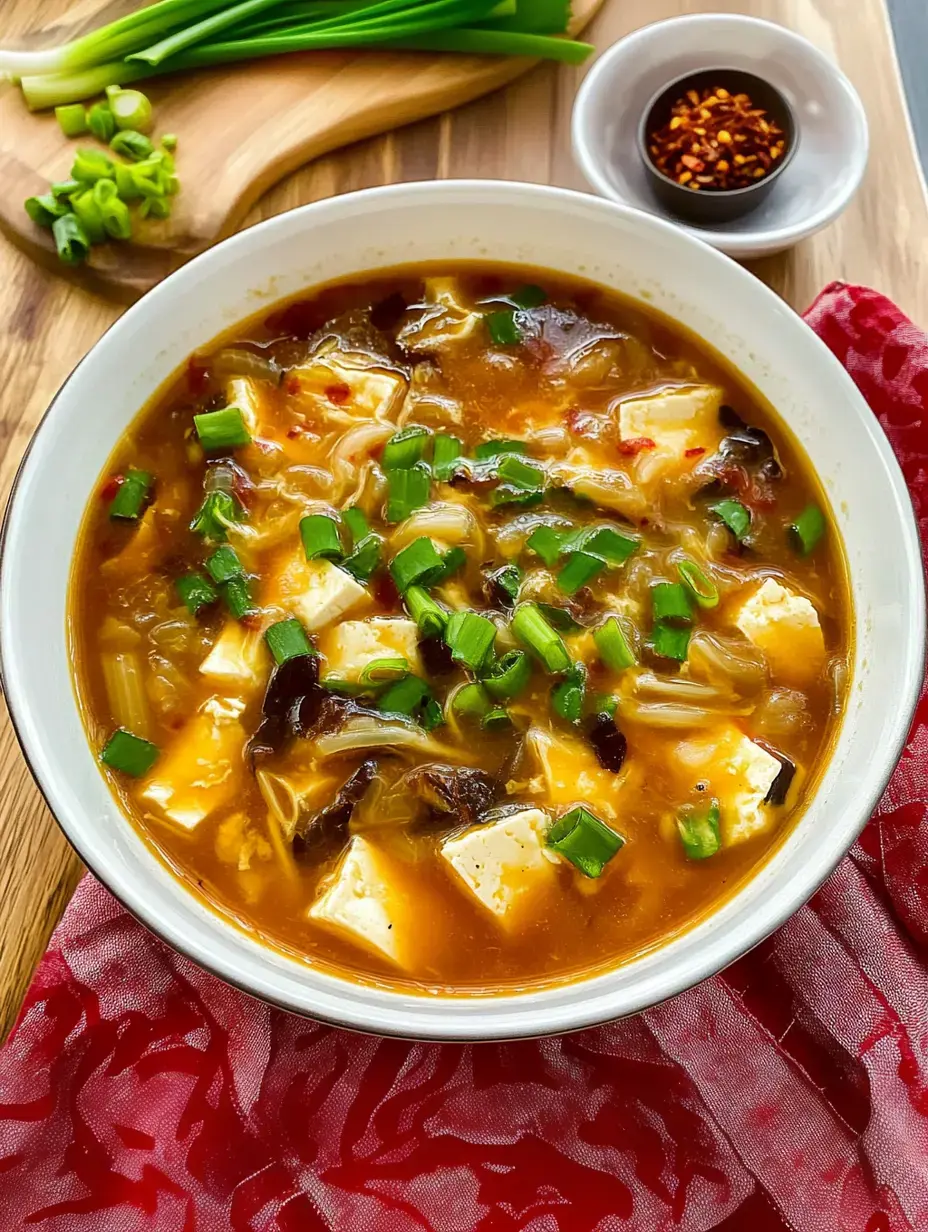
(462, 628)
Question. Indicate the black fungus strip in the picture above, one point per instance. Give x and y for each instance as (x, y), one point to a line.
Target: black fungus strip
(609, 744)
(779, 788)
(455, 790)
(330, 825)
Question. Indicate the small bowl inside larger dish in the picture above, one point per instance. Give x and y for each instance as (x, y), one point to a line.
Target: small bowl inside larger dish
(714, 205)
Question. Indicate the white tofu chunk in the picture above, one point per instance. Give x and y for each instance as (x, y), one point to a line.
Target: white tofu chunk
(571, 773)
(739, 773)
(505, 865)
(785, 627)
(676, 420)
(372, 393)
(360, 905)
(245, 393)
(444, 319)
(349, 646)
(316, 591)
(201, 770)
(238, 656)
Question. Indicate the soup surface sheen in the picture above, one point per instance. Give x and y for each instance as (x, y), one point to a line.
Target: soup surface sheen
(558, 624)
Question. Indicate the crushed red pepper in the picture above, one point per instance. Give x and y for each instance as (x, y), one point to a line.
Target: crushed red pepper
(715, 141)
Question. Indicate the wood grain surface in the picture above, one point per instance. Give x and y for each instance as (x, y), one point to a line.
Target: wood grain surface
(47, 324)
(242, 128)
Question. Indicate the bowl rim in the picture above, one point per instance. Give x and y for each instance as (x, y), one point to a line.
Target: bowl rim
(724, 194)
(742, 244)
(511, 1014)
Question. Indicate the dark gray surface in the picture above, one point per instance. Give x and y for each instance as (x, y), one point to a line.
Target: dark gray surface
(910, 26)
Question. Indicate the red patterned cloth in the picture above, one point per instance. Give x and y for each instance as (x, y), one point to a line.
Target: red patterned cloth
(790, 1092)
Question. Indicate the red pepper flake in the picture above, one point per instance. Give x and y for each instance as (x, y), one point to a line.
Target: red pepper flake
(696, 452)
(197, 375)
(292, 385)
(581, 423)
(111, 487)
(339, 393)
(294, 432)
(637, 444)
(252, 620)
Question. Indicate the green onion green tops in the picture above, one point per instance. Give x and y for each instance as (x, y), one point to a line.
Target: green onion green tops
(521, 482)
(613, 646)
(503, 328)
(384, 670)
(471, 639)
(533, 631)
(471, 701)
(446, 452)
(286, 639)
(196, 592)
(417, 563)
(101, 122)
(737, 517)
(71, 240)
(580, 569)
(807, 531)
(670, 642)
(509, 675)
(427, 614)
(129, 754)
(404, 696)
(529, 296)
(237, 595)
(698, 828)
(224, 564)
(568, 695)
(223, 429)
(496, 718)
(698, 583)
(132, 145)
(497, 447)
(132, 496)
(356, 524)
(545, 542)
(584, 840)
(671, 603)
(364, 559)
(320, 537)
(219, 511)
(405, 449)
(72, 118)
(408, 489)
(90, 165)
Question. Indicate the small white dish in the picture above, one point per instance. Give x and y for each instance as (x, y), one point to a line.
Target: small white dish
(832, 126)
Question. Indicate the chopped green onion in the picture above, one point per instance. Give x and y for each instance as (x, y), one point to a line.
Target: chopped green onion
(698, 583)
(581, 568)
(670, 642)
(613, 547)
(223, 429)
(431, 714)
(219, 512)
(237, 594)
(155, 207)
(509, 675)
(89, 214)
(613, 646)
(502, 327)
(496, 718)
(286, 640)
(545, 542)
(807, 531)
(507, 581)
(531, 628)
(430, 618)
(169, 141)
(320, 537)
(356, 523)
(453, 626)
(446, 450)
(471, 700)
(606, 703)
(559, 618)
(71, 240)
(364, 559)
(567, 696)
(224, 564)
(64, 188)
(195, 592)
(529, 296)
(671, 603)
(385, 670)
(586, 841)
(90, 166)
(128, 753)
(407, 491)
(417, 563)
(114, 213)
(520, 482)
(131, 109)
(101, 122)
(404, 449)
(46, 209)
(73, 119)
(496, 448)
(132, 496)
(132, 145)
(737, 517)
(699, 830)
(404, 696)
(454, 559)
(471, 642)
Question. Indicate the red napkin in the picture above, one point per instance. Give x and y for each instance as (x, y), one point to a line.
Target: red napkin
(790, 1092)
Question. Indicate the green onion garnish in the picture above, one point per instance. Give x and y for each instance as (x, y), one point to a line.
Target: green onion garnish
(114, 214)
(531, 628)
(737, 517)
(699, 830)
(384, 670)
(286, 640)
(496, 718)
(471, 640)
(73, 119)
(320, 537)
(520, 482)
(407, 491)
(453, 560)
(237, 594)
(671, 603)
(670, 642)
(223, 429)
(404, 449)
(613, 547)
(446, 450)
(404, 696)
(224, 564)
(472, 701)
(502, 327)
(807, 531)
(356, 524)
(101, 122)
(89, 214)
(364, 559)
(417, 563)
(506, 581)
(545, 542)
(581, 568)
(613, 646)
(90, 166)
(529, 296)
(128, 753)
(131, 109)
(559, 618)
(496, 448)
(509, 675)
(71, 240)
(132, 145)
(698, 583)
(169, 141)
(196, 591)
(46, 209)
(568, 694)
(132, 496)
(586, 841)
(64, 188)
(605, 703)
(219, 512)
(430, 618)
(431, 714)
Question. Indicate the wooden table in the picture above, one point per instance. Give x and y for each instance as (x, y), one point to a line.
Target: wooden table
(46, 325)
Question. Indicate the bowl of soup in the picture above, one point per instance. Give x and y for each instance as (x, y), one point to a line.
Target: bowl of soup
(461, 610)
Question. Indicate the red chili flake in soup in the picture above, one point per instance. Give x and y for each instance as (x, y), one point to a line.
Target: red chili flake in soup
(696, 452)
(637, 444)
(582, 423)
(339, 393)
(111, 487)
(197, 375)
(292, 385)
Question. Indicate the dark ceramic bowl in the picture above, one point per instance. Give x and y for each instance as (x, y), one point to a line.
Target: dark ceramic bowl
(715, 206)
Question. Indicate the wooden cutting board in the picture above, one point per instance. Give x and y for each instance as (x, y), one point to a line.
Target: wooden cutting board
(240, 129)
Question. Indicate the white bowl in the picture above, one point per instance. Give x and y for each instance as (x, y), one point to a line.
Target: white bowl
(564, 231)
(831, 124)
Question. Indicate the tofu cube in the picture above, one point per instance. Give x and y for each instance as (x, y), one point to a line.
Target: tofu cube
(316, 591)
(505, 864)
(349, 646)
(676, 420)
(239, 656)
(785, 627)
(443, 320)
(202, 769)
(739, 773)
(571, 774)
(360, 904)
(373, 393)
